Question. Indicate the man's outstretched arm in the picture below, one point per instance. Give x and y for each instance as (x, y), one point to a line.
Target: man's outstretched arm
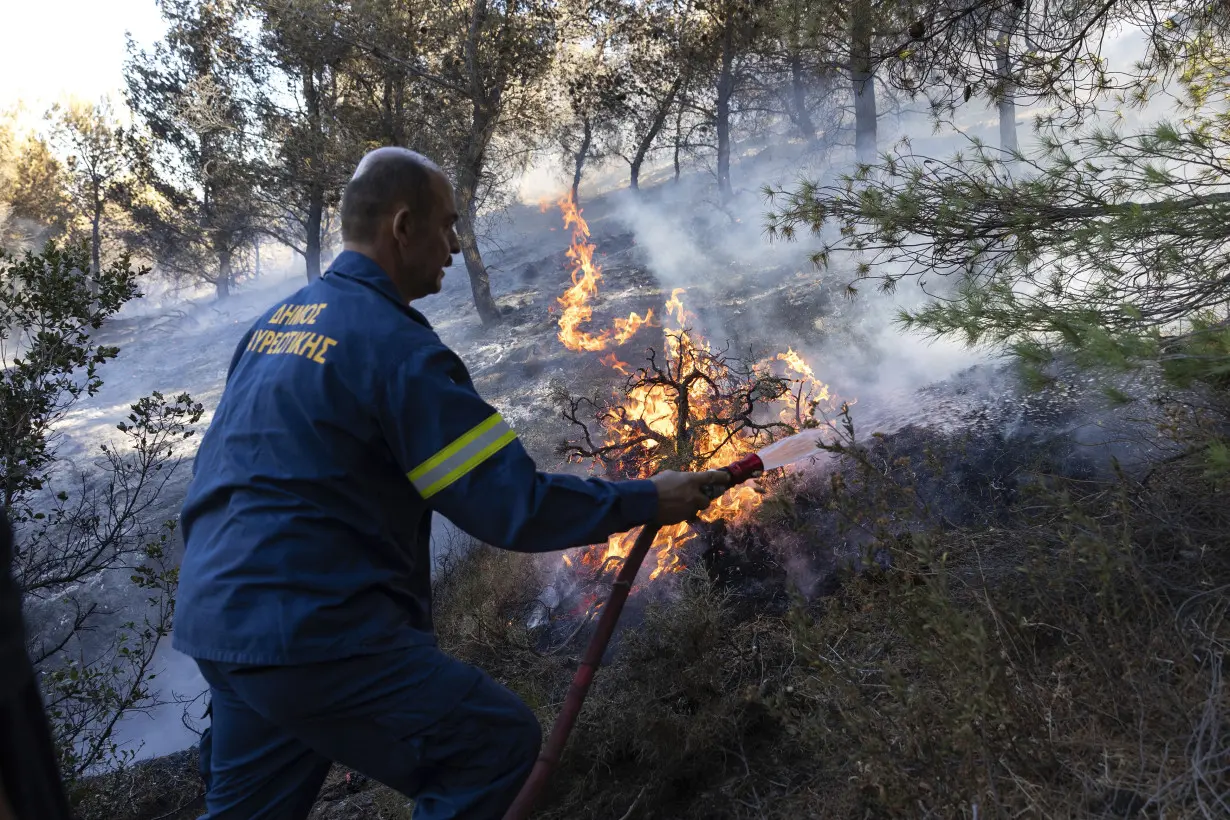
(466, 462)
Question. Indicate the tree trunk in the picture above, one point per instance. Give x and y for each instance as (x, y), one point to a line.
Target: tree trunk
(485, 97)
(725, 91)
(579, 158)
(95, 245)
(798, 99)
(678, 141)
(480, 281)
(316, 185)
(387, 110)
(256, 248)
(642, 148)
(316, 207)
(469, 173)
(863, 76)
(1007, 94)
(222, 285)
(96, 239)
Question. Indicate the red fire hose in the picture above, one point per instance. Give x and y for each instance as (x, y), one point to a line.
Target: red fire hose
(747, 467)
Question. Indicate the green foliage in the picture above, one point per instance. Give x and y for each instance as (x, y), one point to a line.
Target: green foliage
(34, 195)
(48, 309)
(1103, 246)
(86, 695)
(93, 145)
(194, 156)
(51, 309)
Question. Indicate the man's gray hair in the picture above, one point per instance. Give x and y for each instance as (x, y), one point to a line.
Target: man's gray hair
(386, 179)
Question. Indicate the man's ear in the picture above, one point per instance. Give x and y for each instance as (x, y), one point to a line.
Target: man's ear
(403, 223)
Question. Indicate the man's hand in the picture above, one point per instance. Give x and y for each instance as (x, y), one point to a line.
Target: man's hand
(682, 495)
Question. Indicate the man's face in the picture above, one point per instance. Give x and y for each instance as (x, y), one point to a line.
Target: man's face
(426, 247)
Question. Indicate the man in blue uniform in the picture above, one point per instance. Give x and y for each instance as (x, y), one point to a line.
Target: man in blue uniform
(305, 589)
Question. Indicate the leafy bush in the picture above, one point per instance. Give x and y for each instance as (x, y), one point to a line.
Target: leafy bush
(50, 307)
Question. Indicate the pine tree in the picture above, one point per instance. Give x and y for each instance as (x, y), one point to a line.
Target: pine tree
(1104, 245)
(193, 95)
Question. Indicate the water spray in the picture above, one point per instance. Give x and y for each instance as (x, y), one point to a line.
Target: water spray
(753, 465)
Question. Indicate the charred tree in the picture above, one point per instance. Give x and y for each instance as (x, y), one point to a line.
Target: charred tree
(701, 400)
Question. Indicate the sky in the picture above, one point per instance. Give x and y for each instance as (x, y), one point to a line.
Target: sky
(54, 48)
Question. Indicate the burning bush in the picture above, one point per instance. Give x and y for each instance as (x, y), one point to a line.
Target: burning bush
(690, 407)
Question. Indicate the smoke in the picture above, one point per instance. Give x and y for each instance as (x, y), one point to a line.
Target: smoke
(746, 288)
(742, 286)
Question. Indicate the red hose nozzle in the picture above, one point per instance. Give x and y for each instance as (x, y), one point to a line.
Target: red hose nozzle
(750, 466)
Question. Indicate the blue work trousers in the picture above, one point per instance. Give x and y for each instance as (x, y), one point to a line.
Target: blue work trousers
(437, 730)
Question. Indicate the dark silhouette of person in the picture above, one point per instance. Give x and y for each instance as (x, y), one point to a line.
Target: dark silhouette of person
(30, 783)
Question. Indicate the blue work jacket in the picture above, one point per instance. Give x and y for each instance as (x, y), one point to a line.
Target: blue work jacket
(345, 421)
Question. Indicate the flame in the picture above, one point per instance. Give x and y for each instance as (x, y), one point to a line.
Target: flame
(795, 362)
(586, 274)
(625, 329)
(674, 307)
(652, 414)
(806, 392)
(612, 361)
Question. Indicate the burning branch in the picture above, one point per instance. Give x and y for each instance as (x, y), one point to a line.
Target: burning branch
(685, 411)
(688, 408)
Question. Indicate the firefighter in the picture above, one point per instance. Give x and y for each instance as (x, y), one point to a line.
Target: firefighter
(305, 589)
(30, 784)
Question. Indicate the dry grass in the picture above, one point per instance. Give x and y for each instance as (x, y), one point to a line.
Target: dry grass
(166, 788)
(1069, 666)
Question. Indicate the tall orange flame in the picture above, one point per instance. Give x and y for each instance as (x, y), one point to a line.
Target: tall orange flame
(586, 274)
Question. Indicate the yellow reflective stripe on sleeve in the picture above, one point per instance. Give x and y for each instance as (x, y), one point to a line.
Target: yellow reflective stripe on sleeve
(462, 456)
